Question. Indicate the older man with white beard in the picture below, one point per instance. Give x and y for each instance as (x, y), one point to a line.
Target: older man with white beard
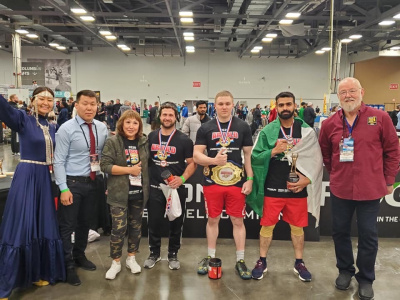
(360, 150)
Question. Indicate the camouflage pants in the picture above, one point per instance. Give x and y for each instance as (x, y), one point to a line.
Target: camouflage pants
(123, 219)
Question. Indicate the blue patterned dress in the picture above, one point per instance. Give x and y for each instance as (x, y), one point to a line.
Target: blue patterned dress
(30, 244)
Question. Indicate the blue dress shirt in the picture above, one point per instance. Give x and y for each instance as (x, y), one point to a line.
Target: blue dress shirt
(71, 156)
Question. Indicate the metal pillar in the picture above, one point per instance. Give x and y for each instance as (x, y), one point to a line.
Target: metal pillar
(16, 48)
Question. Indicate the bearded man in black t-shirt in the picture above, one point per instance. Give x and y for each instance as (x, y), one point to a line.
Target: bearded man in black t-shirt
(170, 150)
(227, 180)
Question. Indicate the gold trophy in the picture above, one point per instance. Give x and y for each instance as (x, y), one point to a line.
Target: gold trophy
(293, 177)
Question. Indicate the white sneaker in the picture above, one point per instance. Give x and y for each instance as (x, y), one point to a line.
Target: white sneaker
(114, 270)
(133, 265)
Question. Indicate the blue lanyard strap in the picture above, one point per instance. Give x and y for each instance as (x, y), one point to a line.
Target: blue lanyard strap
(350, 128)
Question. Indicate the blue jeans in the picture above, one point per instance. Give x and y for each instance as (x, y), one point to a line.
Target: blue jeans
(342, 213)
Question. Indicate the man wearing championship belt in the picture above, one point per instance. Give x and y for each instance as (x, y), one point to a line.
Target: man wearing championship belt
(225, 182)
(279, 187)
(169, 149)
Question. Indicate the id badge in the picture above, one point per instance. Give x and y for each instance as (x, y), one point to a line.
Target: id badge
(135, 180)
(346, 150)
(94, 162)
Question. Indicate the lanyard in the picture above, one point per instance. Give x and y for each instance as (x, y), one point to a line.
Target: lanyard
(288, 137)
(97, 137)
(169, 139)
(224, 136)
(349, 128)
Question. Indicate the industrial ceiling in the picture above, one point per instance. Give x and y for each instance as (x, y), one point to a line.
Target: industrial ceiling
(157, 27)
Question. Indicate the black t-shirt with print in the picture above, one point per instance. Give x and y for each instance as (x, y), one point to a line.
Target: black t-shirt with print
(179, 149)
(132, 157)
(279, 169)
(239, 135)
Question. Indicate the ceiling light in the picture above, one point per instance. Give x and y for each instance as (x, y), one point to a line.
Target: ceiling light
(61, 47)
(189, 38)
(257, 48)
(121, 45)
(187, 20)
(190, 50)
(267, 39)
(126, 49)
(111, 37)
(189, 47)
(87, 18)
(326, 49)
(346, 41)
(355, 36)
(32, 35)
(271, 35)
(22, 31)
(293, 15)
(79, 10)
(396, 16)
(188, 34)
(186, 14)
(105, 32)
(285, 22)
(320, 52)
(386, 22)
(395, 48)
(52, 44)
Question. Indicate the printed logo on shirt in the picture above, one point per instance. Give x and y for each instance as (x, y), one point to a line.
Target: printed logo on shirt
(372, 120)
(168, 150)
(232, 135)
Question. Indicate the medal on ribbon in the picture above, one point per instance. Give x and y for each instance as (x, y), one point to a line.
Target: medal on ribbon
(162, 154)
(288, 138)
(224, 140)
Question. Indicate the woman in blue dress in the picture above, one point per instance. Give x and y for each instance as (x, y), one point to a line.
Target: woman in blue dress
(31, 250)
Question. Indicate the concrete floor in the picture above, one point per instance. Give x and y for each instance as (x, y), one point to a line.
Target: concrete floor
(161, 283)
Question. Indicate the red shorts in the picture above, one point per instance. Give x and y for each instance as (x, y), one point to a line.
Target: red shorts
(294, 211)
(216, 197)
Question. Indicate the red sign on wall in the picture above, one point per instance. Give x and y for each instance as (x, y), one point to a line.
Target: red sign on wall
(394, 86)
(196, 84)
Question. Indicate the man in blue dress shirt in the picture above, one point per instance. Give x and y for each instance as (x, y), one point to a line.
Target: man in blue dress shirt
(79, 143)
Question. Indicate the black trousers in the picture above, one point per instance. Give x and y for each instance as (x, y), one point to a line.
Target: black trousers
(342, 214)
(14, 143)
(77, 218)
(156, 210)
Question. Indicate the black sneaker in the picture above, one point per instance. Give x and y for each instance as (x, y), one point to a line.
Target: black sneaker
(85, 264)
(151, 260)
(72, 277)
(259, 270)
(173, 262)
(301, 270)
(365, 291)
(343, 281)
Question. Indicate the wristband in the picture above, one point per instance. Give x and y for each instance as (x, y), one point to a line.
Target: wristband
(250, 178)
(183, 179)
(66, 190)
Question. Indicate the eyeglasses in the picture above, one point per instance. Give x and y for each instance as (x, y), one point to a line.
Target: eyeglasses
(351, 92)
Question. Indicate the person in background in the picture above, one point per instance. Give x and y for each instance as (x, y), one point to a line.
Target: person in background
(257, 115)
(125, 107)
(124, 159)
(309, 115)
(109, 113)
(79, 143)
(360, 151)
(193, 123)
(303, 105)
(153, 115)
(115, 116)
(272, 113)
(30, 245)
(63, 115)
(184, 113)
(393, 116)
(13, 101)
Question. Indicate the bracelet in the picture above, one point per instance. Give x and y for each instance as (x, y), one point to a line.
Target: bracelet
(183, 179)
(250, 178)
(66, 190)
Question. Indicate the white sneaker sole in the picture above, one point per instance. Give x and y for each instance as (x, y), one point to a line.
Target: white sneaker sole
(301, 278)
(262, 275)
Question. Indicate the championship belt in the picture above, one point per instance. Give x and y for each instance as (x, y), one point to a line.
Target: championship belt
(206, 171)
(226, 175)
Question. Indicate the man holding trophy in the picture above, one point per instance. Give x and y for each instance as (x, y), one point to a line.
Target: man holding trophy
(287, 166)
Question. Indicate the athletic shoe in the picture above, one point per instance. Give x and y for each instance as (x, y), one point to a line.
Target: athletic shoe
(301, 270)
(113, 270)
(259, 270)
(343, 281)
(151, 260)
(365, 291)
(241, 267)
(173, 262)
(203, 266)
(133, 265)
